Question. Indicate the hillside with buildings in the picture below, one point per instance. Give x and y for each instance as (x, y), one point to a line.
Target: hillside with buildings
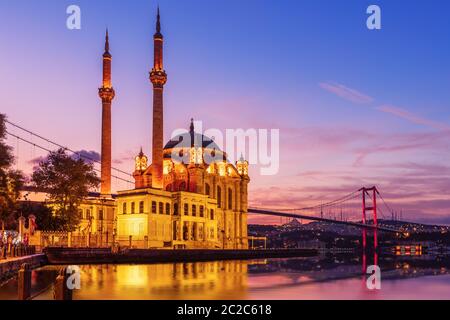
(294, 234)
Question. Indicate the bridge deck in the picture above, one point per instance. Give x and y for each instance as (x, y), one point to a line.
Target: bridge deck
(311, 218)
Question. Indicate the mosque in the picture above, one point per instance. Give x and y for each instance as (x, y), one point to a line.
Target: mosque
(190, 196)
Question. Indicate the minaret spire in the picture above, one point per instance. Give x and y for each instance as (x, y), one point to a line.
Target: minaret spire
(107, 41)
(158, 78)
(106, 93)
(158, 23)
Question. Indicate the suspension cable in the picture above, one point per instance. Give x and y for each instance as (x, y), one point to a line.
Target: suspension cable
(48, 150)
(385, 203)
(348, 197)
(63, 147)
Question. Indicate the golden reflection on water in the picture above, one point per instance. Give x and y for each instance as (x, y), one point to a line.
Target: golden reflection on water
(200, 280)
(243, 280)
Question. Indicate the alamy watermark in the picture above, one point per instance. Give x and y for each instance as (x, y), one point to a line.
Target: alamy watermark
(374, 20)
(74, 278)
(73, 21)
(257, 146)
(373, 281)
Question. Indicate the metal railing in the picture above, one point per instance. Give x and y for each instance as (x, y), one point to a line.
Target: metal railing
(10, 250)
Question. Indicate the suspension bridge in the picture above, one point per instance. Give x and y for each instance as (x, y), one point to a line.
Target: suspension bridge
(311, 213)
(362, 193)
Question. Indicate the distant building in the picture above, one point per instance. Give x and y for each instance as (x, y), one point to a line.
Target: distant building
(312, 244)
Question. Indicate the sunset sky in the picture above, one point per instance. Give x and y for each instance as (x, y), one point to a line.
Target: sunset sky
(354, 107)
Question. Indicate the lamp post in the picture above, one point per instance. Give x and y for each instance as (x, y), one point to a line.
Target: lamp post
(89, 226)
(114, 231)
(101, 220)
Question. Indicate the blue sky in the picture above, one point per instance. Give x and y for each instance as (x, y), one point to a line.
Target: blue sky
(372, 105)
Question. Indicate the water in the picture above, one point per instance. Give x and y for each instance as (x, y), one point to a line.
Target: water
(300, 278)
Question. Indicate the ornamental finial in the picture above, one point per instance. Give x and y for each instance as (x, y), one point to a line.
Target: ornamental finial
(107, 41)
(191, 128)
(158, 22)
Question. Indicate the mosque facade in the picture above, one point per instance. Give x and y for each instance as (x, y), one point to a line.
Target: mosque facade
(189, 196)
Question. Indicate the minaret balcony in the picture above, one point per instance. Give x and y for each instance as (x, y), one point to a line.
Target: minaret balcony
(158, 77)
(106, 94)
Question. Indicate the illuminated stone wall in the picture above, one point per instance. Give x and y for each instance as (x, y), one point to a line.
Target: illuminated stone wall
(158, 219)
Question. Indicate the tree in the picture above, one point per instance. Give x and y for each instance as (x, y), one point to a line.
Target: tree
(11, 181)
(67, 182)
(45, 218)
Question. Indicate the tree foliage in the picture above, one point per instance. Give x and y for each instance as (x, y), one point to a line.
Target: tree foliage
(45, 218)
(11, 181)
(67, 182)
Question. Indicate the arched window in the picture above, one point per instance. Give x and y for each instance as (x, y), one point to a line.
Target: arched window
(207, 190)
(230, 199)
(132, 208)
(194, 210)
(219, 197)
(141, 207)
(175, 209)
(167, 208)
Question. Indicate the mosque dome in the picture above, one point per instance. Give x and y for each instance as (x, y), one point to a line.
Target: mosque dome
(191, 139)
(182, 144)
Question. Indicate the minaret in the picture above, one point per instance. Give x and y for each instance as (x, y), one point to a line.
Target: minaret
(158, 77)
(106, 93)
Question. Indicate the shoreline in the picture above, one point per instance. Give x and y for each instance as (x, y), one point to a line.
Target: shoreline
(10, 267)
(137, 256)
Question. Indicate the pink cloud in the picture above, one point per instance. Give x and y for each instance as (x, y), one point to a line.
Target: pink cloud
(346, 92)
(396, 143)
(418, 189)
(418, 198)
(360, 98)
(88, 156)
(125, 158)
(402, 113)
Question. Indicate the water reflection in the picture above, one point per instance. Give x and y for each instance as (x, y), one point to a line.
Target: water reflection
(326, 277)
(201, 280)
(41, 281)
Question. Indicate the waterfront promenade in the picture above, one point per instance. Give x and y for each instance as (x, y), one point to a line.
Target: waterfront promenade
(10, 266)
(106, 255)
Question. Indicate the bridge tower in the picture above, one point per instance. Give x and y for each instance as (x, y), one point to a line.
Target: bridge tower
(371, 193)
